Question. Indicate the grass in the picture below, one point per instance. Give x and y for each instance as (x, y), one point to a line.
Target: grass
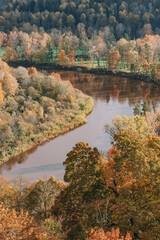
(2, 50)
(102, 62)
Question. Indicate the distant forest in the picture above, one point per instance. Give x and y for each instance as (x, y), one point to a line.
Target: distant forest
(129, 19)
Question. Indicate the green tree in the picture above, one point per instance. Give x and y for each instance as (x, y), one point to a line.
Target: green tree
(137, 124)
(70, 20)
(49, 50)
(145, 108)
(137, 109)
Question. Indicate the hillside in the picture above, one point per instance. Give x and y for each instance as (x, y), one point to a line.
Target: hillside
(127, 19)
(35, 108)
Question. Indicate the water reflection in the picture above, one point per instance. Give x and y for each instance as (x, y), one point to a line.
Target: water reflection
(20, 160)
(113, 96)
(107, 87)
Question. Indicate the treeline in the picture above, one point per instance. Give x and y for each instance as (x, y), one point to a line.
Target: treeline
(101, 200)
(35, 108)
(124, 18)
(140, 56)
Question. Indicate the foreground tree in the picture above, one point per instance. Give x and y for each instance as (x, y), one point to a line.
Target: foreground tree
(137, 124)
(132, 174)
(122, 192)
(1, 94)
(40, 197)
(18, 226)
(101, 235)
(86, 190)
(7, 193)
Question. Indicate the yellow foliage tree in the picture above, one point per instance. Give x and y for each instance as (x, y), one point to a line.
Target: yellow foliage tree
(4, 68)
(56, 75)
(1, 94)
(32, 70)
(16, 226)
(81, 63)
(70, 99)
(113, 235)
(9, 55)
(9, 84)
(71, 56)
(62, 58)
(7, 193)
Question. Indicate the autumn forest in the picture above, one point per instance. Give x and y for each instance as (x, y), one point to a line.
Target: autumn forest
(63, 63)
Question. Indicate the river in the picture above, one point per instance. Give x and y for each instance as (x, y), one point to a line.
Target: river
(112, 96)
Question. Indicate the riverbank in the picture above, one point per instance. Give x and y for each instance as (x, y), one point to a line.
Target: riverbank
(46, 136)
(56, 129)
(35, 108)
(112, 96)
(96, 71)
(63, 126)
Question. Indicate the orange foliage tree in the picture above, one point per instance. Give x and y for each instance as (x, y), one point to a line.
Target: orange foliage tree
(88, 65)
(18, 226)
(81, 63)
(132, 174)
(113, 58)
(146, 66)
(101, 235)
(1, 93)
(10, 84)
(62, 58)
(56, 75)
(32, 70)
(9, 55)
(71, 56)
(7, 193)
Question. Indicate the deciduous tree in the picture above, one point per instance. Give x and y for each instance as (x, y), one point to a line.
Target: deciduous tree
(18, 226)
(71, 56)
(113, 58)
(1, 94)
(77, 203)
(132, 176)
(10, 84)
(9, 55)
(41, 197)
(62, 58)
(101, 235)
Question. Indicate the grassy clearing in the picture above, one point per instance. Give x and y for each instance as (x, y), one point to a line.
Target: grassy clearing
(2, 50)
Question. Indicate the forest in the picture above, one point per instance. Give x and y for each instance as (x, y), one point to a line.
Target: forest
(116, 199)
(104, 196)
(35, 108)
(140, 56)
(124, 18)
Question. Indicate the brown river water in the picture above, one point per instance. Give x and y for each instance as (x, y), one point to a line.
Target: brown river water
(112, 96)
